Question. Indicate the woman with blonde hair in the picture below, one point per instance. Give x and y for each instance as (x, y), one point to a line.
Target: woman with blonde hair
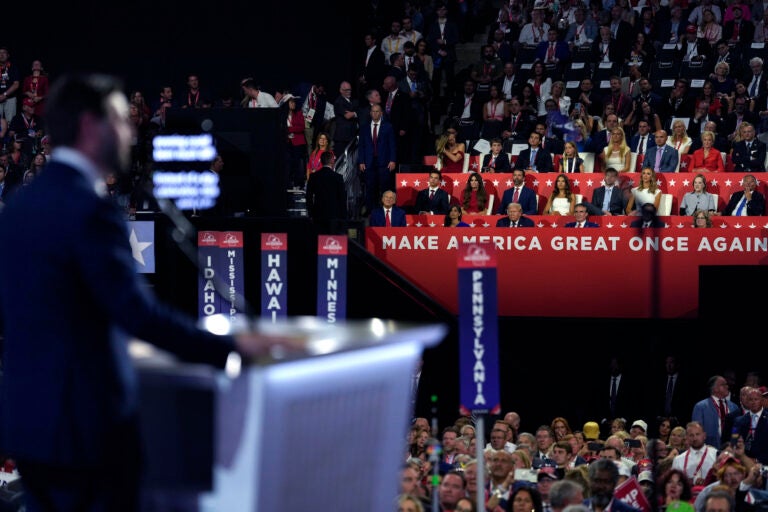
(646, 192)
(571, 161)
(707, 158)
(617, 153)
(679, 138)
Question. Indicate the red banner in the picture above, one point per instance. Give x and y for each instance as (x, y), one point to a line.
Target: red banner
(677, 184)
(606, 272)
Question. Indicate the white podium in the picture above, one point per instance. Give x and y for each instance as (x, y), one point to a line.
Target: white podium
(323, 430)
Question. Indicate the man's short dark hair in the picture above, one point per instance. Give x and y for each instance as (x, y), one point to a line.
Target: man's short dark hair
(326, 159)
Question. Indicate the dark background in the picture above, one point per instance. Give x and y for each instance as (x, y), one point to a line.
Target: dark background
(153, 43)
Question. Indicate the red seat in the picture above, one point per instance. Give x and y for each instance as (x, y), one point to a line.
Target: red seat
(556, 161)
(430, 159)
(685, 163)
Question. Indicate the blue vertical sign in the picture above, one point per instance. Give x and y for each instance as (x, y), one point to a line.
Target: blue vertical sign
(221, 281)
(274, 276)
(478, 330)
(332, 277)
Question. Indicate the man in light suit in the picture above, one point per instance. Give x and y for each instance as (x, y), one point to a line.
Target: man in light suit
(526, 196)
(708, 413)
(377, 155)
(378, 216)
(433, 199)
(669, 156)
(74, 299)
(515, 218)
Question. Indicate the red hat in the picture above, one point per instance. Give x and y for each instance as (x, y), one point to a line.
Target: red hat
(29, 102)
(691, 29)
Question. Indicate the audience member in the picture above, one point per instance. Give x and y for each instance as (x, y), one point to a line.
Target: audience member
(646, 192)
(433, 199)
(514, 218)
(660, 157)
(648, 218)
(562, 199)
(376, 156)
(327, 197)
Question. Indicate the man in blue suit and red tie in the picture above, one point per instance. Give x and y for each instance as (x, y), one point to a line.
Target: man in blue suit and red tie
(378, 217)
(377, 156)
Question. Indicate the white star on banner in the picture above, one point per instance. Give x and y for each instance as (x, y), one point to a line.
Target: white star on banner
(138, 247)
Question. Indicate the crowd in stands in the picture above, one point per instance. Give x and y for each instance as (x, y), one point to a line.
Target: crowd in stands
(603, 75)
(709, 459)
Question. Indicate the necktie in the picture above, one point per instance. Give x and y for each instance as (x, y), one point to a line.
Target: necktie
(749, 148)
(641, 146)
(736, 31)
(742, 204)
(389, 101)
(514, 121)
(431, 195)
(514, 224)
(375, 139)
(753, 88)
(659, 152)
(580, 224)
(533, 159)
(389, 220)
(516, 195)
(723, 411)
(668, 399)
(551, 52)
(613, 395)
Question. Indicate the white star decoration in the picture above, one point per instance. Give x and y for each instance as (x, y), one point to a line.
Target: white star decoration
(138, 247)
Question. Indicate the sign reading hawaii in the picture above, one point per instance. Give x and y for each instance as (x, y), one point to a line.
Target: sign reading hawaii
(332, 277)
(478, 329)
(274, 275)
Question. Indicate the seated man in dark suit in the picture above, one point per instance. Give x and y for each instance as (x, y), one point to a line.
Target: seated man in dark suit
(608, 199)
(582, 218)
(648, 218)
(747, 202)
(520, 194)
(378, 218)
(514, 218)
(497, 160)
(535, 158)
(433, 199)
(749, 153)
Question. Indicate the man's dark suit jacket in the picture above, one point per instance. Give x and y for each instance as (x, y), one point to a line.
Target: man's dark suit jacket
(543, 160)
(655, 223)
(527, 200)
(500, 165)
(522, 222)
(346, 129)
(755, 207)
(385, 144)
(374, 70)
(587, 224)
(438, 205)
(616, 206)
(749, 161)
(69, 307)
(758, 448)
(378, 219)
(326, 199)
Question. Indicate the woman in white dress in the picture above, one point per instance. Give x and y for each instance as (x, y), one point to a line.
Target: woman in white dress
(679, 139)
(647, 192)
(617, 154)
(562, 200)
